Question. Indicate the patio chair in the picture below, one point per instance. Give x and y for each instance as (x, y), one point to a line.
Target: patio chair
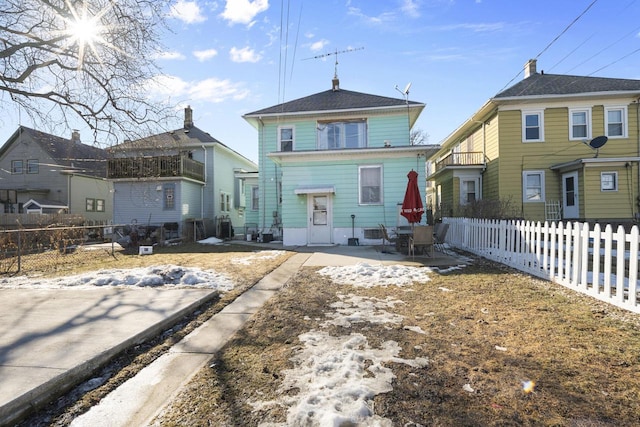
(386, 237)
(440, 234)
(422, 240)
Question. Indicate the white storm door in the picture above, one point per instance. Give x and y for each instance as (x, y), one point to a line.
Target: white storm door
(320, 218)
(570, 205)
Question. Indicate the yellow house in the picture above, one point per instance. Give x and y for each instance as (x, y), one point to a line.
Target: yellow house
(549, 147)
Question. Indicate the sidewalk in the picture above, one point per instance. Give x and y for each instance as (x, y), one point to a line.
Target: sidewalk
(39, 354)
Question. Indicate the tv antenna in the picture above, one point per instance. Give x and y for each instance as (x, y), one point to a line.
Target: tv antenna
(336, 52)
(596, 143)
(405, 94)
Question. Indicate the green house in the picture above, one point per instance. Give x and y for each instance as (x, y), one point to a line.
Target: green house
(333, 166)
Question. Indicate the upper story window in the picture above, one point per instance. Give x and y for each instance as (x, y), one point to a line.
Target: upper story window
(32, 166)
(533, 126)
(580, 123)
(344, 134)
(285, 138)
(370, 185)
(615, 122)
(17, 167)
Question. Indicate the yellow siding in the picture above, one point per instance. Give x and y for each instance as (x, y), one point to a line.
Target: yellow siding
(609, 204)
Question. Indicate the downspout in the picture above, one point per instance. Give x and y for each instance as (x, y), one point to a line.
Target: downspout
(262, 176)
(204, 149)
(69, 193)
(638, 137)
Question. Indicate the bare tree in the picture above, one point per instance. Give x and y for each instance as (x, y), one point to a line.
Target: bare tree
(418, 137)
(88, 58)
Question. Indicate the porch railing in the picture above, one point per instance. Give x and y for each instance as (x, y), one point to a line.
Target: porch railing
(471, 158)
(156, 166)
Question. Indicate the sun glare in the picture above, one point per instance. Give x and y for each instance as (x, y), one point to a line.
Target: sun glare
(84, 30)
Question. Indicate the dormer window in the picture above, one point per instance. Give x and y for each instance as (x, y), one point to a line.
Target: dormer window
(342, 134)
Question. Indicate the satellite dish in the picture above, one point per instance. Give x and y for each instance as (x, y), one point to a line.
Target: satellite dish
(597, 143)
(406, 89)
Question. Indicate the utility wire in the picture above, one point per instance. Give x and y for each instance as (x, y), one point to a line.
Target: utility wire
(552, 42)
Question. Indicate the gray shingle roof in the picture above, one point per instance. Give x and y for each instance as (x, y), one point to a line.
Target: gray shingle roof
(168, 140)
(331, 100)
(74, 155)
(556, 84)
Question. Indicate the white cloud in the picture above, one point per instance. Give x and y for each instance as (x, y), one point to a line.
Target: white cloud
(187, 11)
(245, 54)
(203, 55)
(375, 20)
(319, 45)
(476, 28)
(173, 55)
(209, 90)
(243, 11)
(411, 8)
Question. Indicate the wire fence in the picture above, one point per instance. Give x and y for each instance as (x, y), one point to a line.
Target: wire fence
(28, 251)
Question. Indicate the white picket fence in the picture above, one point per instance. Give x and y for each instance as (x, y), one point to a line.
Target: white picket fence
(599, 263)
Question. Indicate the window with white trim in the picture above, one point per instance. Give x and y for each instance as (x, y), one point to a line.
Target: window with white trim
(615, 122)
(285, 138)
(343, 134)
(168, 197)
(580, 123)
(533, 186)
(370, 185)
(533, 126)
(468, 191)
(225, 202)
(255, 198)
(609, 181)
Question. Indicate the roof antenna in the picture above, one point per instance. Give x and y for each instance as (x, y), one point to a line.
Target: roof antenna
(405, 94)
(335, 70)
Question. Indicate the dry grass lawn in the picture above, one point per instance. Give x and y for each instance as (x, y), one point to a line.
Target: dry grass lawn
(488, 332)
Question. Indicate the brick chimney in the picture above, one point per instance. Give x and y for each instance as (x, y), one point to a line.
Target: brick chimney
(188, 117)
(530, 68)
(75, 136)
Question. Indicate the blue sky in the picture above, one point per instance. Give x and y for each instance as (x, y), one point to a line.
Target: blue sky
(229, 58)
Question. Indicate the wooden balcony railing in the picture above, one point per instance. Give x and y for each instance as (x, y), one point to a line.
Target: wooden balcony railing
(155, 167)
(471, 158)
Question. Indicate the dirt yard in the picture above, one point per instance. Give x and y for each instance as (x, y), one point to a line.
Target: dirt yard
(478, 346)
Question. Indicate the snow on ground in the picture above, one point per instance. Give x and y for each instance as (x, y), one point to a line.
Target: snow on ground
(167, 276)
(367, 275)
(338, 377)
(257, 256)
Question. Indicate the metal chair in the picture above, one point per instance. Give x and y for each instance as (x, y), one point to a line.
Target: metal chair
(386, 237)
(440, 234)
(422, 240)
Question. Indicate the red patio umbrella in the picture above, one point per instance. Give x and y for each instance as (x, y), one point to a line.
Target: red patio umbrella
(412, 207)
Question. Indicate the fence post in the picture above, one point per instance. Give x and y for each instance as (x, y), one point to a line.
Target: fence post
(633, 266)
(597, 240)
(620, 261)
(608, 231)
(583, 265)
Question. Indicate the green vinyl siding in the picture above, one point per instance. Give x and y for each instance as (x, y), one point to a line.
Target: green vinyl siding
(343, 177)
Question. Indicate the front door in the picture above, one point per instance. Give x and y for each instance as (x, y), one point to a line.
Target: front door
(320, 218)
(570, 205)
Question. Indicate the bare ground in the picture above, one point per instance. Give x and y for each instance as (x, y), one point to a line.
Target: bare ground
(488, 330)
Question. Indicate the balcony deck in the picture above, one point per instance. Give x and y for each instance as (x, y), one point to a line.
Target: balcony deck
(155, 167)
(472, 158)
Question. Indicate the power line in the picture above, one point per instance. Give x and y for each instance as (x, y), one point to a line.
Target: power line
(552, 42)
